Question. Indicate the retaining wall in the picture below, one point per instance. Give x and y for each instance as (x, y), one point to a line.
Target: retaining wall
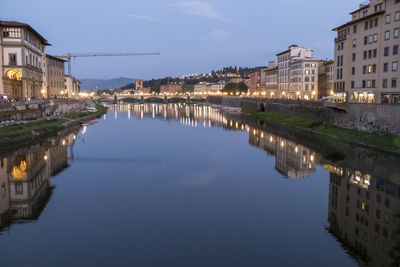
(362, 117)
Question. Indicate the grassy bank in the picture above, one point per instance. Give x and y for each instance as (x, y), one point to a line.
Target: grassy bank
(30, 128)
(385, 141)
(23, 133)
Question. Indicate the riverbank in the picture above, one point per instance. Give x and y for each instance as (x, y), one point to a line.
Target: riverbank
(385, 142)
(22, 134)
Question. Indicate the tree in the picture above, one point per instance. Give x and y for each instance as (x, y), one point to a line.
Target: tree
(235, 88)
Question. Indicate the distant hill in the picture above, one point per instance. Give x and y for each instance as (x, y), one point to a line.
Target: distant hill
(97, 84)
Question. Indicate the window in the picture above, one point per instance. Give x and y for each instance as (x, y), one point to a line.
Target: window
(396, 33)
(385, 67)
(352, 84)
(375, 51)
(12, 33)
(365, 54)
(397, 16)
(374, 68)
(387, 35)
(369, 84)
(353, 71)
(394, 83)
(12, 59)
(395, 66)
(19, 190)
(365, 13)
(363, 84)
(354, 43)
(375, 37)
(371, 39)
(385, 98)
(369, 53)
(366, 25)
(396, 99)
(354, 29)
(376, 22)
(386, 51)
(384, 83)
(395, 49)
(388, 18)
(354, 57)
(365, 40)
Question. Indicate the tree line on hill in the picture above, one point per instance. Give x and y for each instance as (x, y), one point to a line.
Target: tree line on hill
(189, 82)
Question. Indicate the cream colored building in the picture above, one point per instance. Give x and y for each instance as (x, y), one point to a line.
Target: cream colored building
(22, 56)
(271, 80)
(303, 79)
(200, 87)
(367, 54)
(54, 77)
(72, 86)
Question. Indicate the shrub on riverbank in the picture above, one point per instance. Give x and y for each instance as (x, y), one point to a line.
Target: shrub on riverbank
(385, 141)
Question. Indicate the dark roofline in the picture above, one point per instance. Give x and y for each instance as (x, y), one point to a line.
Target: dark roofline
(361, 8)
(283, 52)
(56, 58)
(358, 20)
(24, 25)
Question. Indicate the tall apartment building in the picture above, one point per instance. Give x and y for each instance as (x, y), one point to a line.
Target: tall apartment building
(326, 78)
(367, 54)
(22, 54)
(54, 83)
(303, 79)
(285, 59)
(271, 79)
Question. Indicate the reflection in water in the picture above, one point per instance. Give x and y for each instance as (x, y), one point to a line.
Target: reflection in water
(364, 211)
(25, 179)
(364, 215)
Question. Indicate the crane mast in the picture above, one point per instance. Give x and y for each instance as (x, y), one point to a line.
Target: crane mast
(70, 56)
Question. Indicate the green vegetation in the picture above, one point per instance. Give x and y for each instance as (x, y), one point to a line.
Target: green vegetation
(13, 112)
(235, 88)
(42, 127)
(384, 141)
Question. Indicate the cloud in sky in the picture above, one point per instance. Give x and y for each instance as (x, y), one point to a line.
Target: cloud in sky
(201, 9)
(142, 17)
(216, 35)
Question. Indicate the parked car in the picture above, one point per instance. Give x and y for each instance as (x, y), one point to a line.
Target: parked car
(92, 109)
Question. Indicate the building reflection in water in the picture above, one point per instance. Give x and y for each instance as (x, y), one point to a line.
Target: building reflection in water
(25, 179)
(364, 211)
(292, 160)
(364, 215)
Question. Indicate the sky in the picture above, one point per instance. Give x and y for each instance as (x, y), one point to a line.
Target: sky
(192, 36)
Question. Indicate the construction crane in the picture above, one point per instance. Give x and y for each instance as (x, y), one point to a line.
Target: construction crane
(70, 56)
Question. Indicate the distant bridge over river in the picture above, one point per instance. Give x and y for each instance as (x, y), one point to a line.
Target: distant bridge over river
(160, 98)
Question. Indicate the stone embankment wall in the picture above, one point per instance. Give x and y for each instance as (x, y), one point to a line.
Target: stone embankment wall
(36, 109)
(362, 117)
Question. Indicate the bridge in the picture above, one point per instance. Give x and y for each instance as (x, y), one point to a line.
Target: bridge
(142, 98)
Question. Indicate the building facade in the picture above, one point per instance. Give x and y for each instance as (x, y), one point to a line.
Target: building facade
(171, 88)
(367, 54)
(303, 79)
(285, 60)
(72, 87)
(22, 56)
(325, 78)
(271, 80)
(54, 84)
(200, 87)
(257, 82)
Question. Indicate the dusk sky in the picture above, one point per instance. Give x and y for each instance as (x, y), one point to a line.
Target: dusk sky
(192, 36)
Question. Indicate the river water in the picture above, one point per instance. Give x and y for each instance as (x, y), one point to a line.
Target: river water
(180, 185)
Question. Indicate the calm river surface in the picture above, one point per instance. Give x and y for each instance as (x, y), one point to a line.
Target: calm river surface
(179, 185)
